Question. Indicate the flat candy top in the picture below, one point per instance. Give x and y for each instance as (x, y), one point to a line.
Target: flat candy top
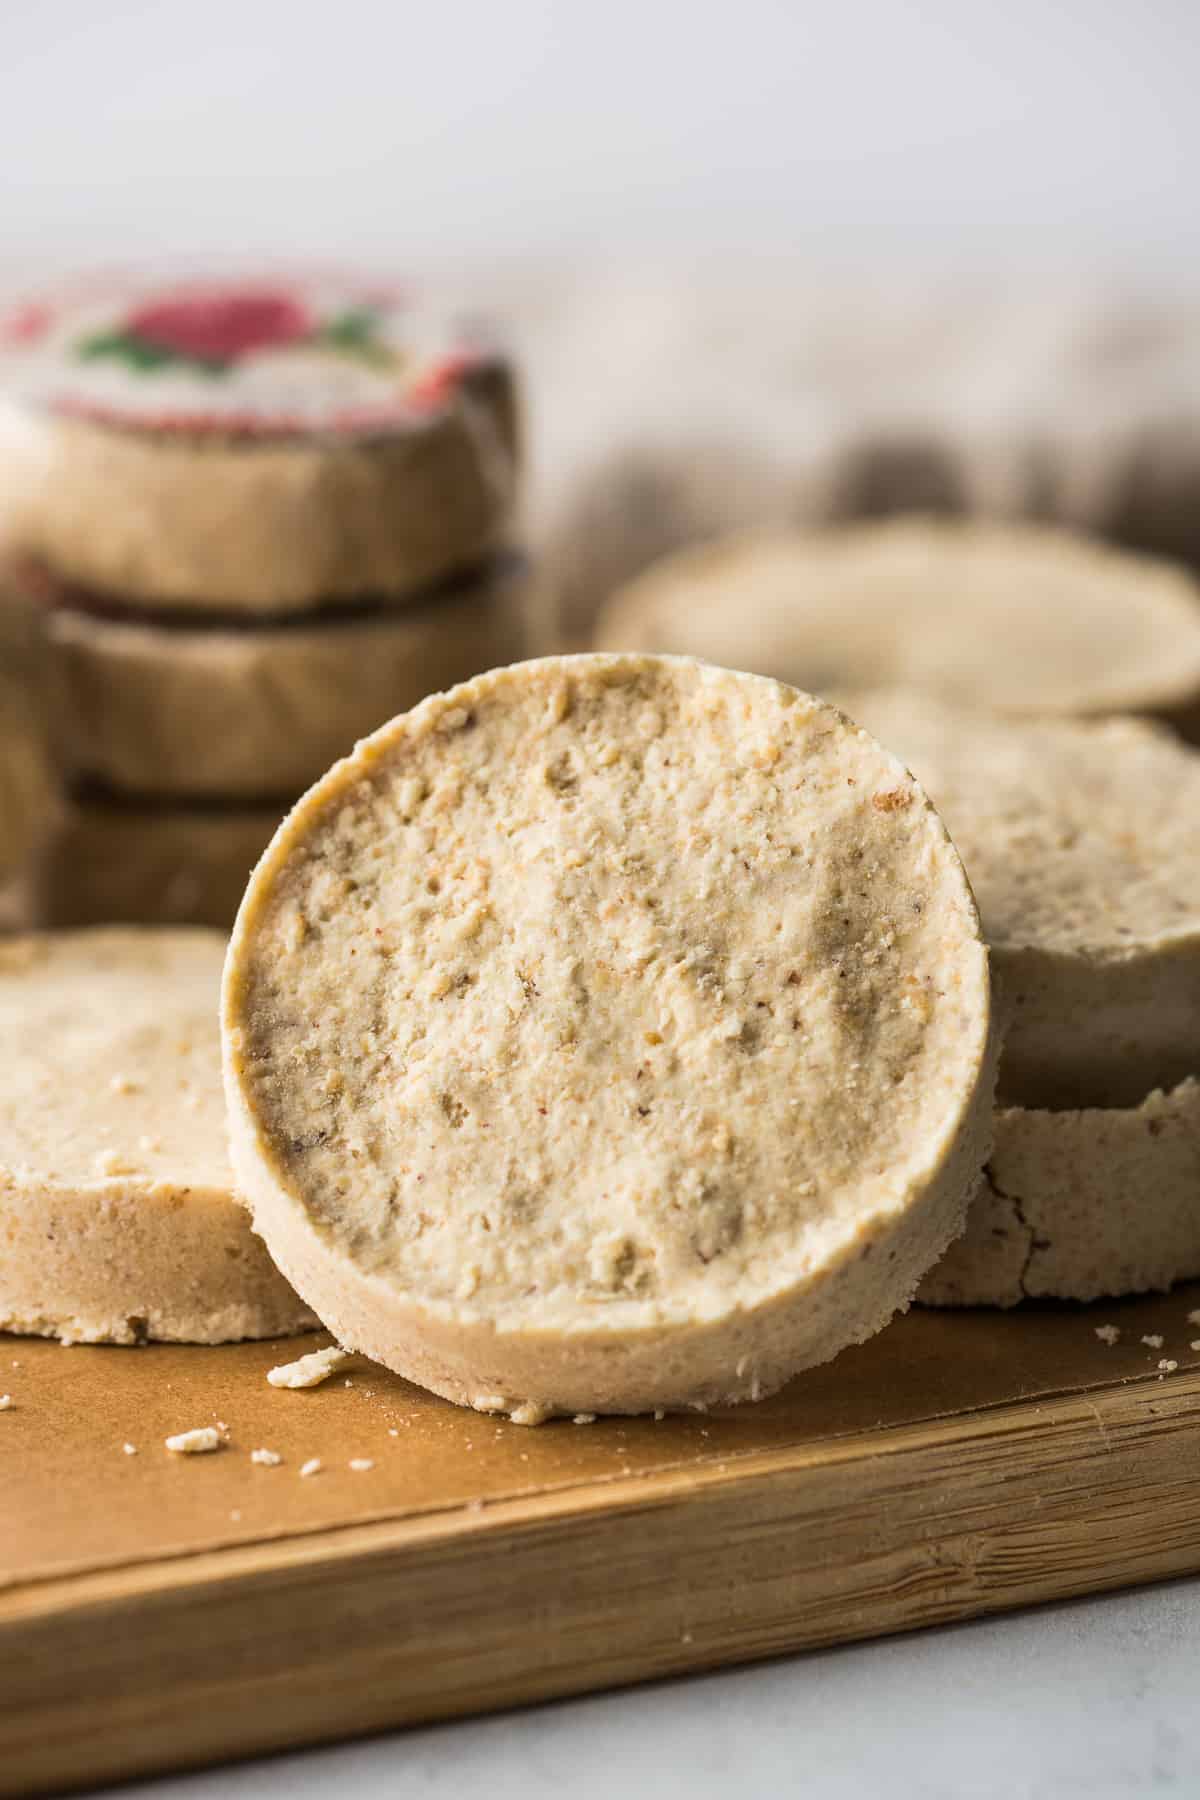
(1078, 836)
(275, 356)
(108, 1041)
(1018, 617)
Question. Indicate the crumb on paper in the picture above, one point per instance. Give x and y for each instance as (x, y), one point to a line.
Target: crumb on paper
(685, 1637)
(312, 1467)
(360, 1464)
(1168, 1365)
(392, 1431)
(660, 1412)
(1193, 1318)
(308, 1371)
(1153, 1340)
(1195, 1344)
(129, 1449)
(530, 1412)
(122, 1084)
(236, 1515)
(348, 1382)
(584, 1419)
(195, 1443)
(1108, 1334)
(267, 1459)
(474, 1505)
(6, 1401)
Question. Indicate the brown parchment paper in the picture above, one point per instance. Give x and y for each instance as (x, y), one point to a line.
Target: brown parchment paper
(72, 1500)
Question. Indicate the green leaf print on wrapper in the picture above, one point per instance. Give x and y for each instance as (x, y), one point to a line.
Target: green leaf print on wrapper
(210, 331)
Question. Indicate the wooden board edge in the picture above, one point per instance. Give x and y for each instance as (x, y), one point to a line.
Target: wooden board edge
(231, 1654)
(76, 1587)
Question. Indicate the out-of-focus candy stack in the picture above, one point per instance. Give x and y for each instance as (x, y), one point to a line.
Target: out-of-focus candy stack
(738, 400)
(257, 520)
(28, 792)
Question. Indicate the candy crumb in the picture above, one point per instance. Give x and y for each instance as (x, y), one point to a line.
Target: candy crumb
(6, 1401)
(530, 1412)
(308, 1371)
(129, 1449)
(269, 1459)
(195, 1443)
(1153, 1341)
(1108, 1334)
(360, 1464)
(311, 1467)
(1168, 1365)
(584, 1419)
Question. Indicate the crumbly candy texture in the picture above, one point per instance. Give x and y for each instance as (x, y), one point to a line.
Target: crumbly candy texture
(308, 1371)
(117, 1206)
(1079, 839)
(1076, 1205)
(263, 709)
(200, 1442)
(611, 1032)
(151, 864)
(1021, 618)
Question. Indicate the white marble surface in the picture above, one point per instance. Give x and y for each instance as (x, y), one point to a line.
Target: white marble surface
(1088, 1701)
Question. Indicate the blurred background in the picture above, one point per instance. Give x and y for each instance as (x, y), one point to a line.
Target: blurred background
(935, 137)
(763, 229)
(760, 264)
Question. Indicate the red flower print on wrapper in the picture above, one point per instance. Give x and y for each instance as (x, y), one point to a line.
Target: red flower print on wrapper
(219, 326)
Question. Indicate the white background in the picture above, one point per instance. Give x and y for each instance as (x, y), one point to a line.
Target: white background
(938, 132)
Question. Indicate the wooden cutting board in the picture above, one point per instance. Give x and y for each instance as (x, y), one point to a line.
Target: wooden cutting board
(160, 1612)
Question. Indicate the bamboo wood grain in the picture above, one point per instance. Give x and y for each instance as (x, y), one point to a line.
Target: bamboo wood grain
(184, 1660)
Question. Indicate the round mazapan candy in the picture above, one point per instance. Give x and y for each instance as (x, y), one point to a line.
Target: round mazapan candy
(244, 709)
(1079, 839)
(609, 1033)
(118, 1212)
(259, 445)
(1017, 618)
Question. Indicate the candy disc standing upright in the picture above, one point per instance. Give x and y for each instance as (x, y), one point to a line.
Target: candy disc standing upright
(611, 1032)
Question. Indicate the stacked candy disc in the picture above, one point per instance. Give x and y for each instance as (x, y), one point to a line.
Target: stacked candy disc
(259, 519)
